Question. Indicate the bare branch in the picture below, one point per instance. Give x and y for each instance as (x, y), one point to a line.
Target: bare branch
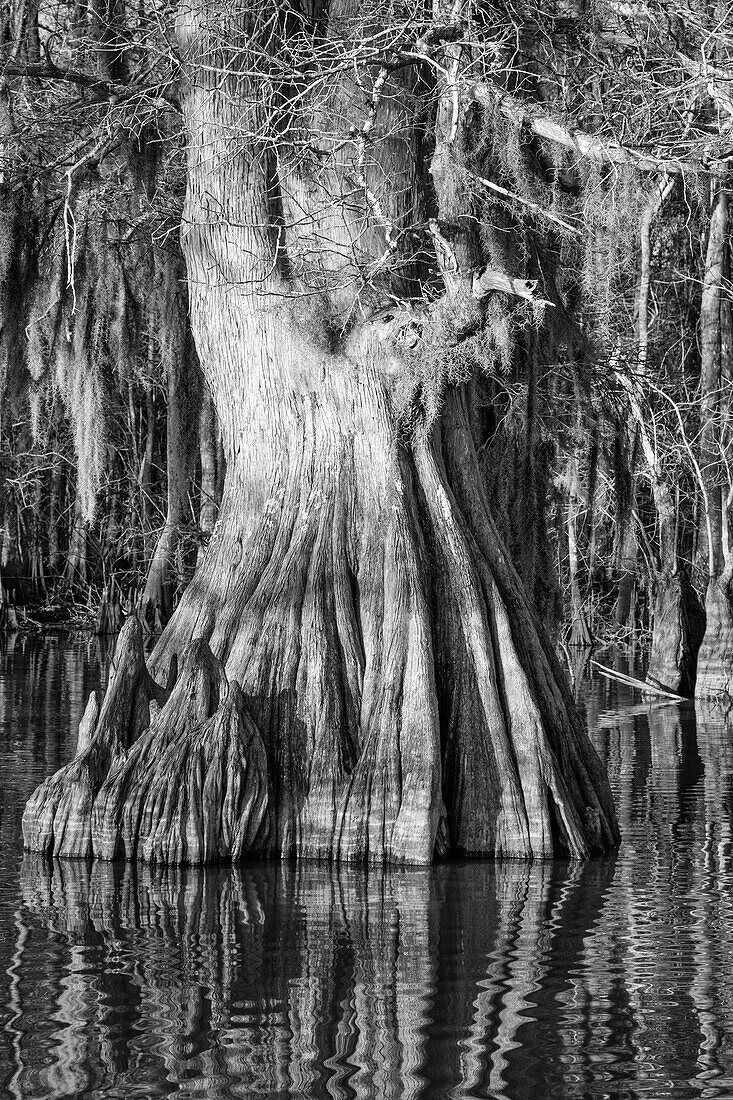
(105, 89)
(605, 150)
(534, 206)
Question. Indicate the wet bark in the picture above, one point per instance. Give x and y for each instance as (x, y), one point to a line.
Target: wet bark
(679, 626)
(57, 818)
(715, 660)
(678, 618)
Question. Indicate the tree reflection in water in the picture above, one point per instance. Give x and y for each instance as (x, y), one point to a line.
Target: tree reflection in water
(307, 981)
(304, 980)
(462, 981)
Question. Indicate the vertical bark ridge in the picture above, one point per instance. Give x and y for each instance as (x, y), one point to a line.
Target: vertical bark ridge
(679, 627)
(584, 776)
(193, 788)
(391, 807)
(488, 767)
(715, 657)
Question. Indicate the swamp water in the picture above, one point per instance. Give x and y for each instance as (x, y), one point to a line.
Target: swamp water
(614, 979)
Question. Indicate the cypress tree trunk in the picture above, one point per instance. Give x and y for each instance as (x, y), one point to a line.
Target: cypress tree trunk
(679, 625)
(75, 571)
(715, 660)
(366, 679)
(55, 497)
(580, 632)
(183, 386)
(678, 618)
(624, 611)
(146, 476)
(396, 696)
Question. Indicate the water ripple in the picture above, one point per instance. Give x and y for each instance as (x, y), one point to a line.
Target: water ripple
(465, 981)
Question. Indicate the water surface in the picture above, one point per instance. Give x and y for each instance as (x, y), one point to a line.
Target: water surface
(614, 979)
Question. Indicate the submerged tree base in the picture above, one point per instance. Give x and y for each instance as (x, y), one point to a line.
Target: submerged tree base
(377, 691)
(179, 775)
(679, 627)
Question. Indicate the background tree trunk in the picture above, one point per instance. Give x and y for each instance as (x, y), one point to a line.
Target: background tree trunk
(715, 660)
(183, 389)
(75, 572)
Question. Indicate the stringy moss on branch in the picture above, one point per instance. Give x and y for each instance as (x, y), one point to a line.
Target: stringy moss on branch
(102, 312)
(459, 338)
(596, 270)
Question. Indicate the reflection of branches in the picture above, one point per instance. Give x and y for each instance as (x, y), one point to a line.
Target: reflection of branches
(15, 1004)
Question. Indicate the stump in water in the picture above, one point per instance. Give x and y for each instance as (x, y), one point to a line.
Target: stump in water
(109, 616)
(679, 626)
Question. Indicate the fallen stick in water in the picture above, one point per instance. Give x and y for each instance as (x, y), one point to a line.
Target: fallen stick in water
(640, 685)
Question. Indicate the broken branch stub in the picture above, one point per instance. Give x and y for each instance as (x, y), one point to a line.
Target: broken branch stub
(481, 283)
(488, 280)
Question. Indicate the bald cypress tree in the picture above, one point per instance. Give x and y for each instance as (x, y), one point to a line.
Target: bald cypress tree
(355, 670)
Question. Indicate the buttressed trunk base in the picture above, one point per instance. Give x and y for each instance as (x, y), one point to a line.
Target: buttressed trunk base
(354, 672)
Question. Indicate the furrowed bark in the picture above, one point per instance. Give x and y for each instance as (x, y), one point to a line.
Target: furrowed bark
(208, 431)
(715, 659)
(193, 789)
(374, 707)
